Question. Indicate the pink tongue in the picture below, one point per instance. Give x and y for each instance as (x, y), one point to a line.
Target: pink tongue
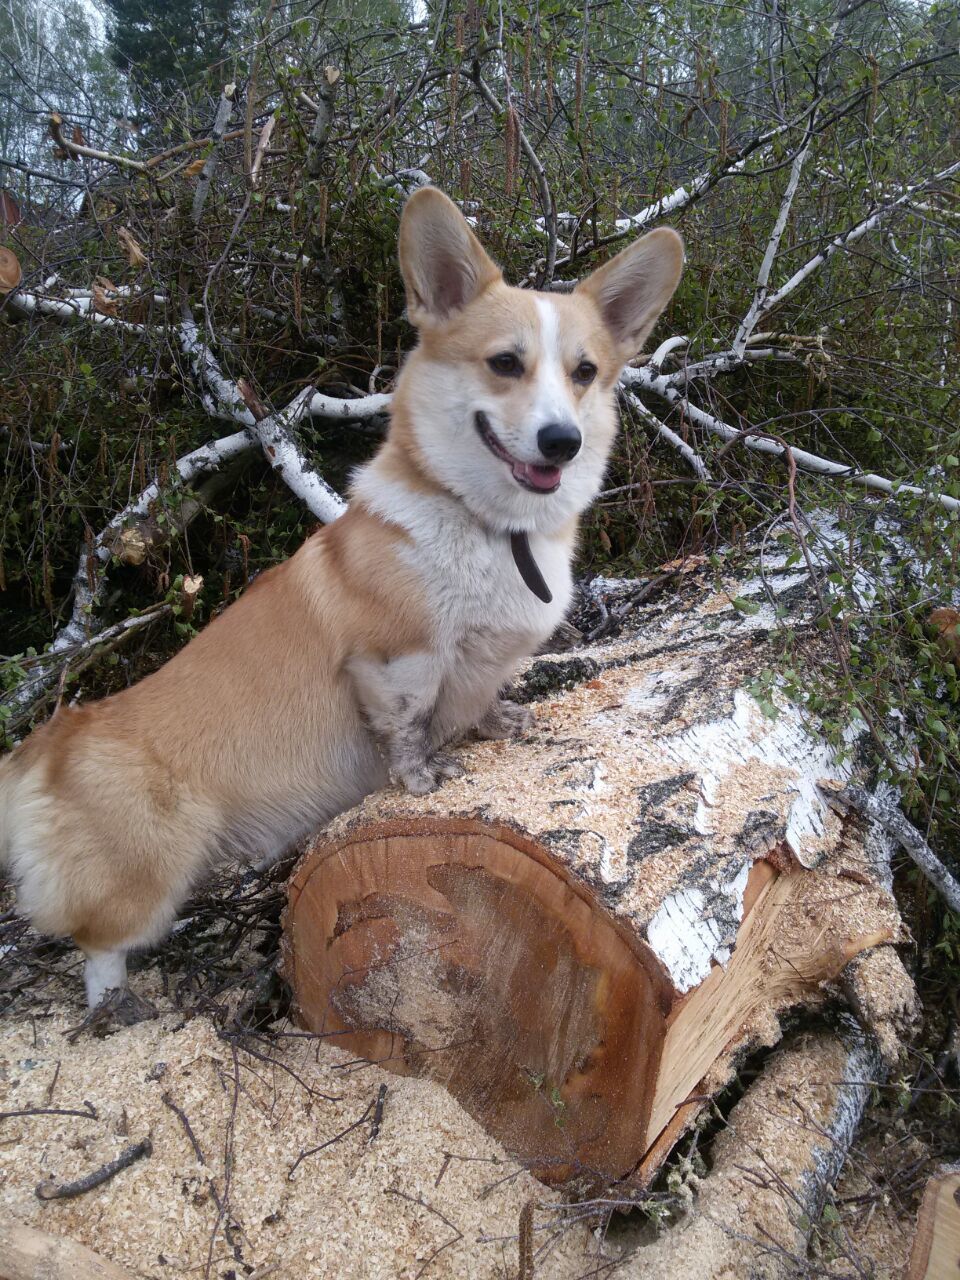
(538, 477)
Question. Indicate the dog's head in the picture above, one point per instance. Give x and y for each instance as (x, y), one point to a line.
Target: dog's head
(509, 396)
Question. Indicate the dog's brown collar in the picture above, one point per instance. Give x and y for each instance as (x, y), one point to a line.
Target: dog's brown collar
(529, 569)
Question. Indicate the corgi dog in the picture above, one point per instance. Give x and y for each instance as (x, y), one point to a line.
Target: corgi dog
(388, 635)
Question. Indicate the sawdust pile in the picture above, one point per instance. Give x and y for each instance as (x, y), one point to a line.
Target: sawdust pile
(394, 1207)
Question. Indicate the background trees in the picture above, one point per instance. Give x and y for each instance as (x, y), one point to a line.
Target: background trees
(808, 153)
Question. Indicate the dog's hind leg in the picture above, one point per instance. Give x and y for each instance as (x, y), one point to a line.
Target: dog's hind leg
(104, 971)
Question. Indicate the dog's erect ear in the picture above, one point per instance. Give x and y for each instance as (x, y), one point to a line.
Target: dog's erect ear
(633, 288)
(443, 263)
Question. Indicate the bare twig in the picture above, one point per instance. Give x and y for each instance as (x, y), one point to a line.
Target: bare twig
(88, 1113)
(419, 1200)
(67, 1190)
(664, 386)
(378, 1113)
(181, 1115)
(547, 203)
(312, 1151)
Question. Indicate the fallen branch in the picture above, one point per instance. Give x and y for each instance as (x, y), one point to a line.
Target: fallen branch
(224, 112)
(684, 196)
(358, 410)
(784, 1145)
(755, 310)
(77, 149)
(82, 633)
(78, 308)
(689, 455)
(883, 808)
(276, 435)
(664, 387)
(847, 238)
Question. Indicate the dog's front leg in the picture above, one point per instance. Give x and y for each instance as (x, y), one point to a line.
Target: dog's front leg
(505, 719)
(399, 698)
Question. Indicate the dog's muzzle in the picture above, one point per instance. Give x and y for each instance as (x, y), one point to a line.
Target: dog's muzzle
(537, 478)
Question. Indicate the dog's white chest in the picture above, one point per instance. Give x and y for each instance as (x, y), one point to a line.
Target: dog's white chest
(475, 590)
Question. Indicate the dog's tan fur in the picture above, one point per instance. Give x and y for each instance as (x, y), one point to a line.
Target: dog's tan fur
(388, 634)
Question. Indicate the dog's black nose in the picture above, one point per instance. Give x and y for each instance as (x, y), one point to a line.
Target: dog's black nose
(559, 441)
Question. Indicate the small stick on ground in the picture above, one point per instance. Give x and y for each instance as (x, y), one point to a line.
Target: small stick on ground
(378, 1113)
(89, 1112)
(67, 1190)
(525, 1246)
(638, 597)
(330, 1141)
(419, 1200)
(187, 1127)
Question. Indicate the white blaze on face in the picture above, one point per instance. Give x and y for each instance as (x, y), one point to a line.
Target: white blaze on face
(552, 400)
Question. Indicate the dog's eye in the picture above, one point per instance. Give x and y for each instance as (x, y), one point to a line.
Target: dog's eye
(507, 364)
(584, 373)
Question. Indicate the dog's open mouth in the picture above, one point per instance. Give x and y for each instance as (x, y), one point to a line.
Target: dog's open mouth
(531, 475)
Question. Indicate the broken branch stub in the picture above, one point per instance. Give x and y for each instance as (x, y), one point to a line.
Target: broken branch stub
(580, 937)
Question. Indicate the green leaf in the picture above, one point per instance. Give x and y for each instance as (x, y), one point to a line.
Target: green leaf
(745, 606)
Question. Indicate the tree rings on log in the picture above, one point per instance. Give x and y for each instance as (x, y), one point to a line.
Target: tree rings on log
(463, 951)
(466, 951)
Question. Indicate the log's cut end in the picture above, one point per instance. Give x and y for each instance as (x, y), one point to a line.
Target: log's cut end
(468, 952)
(463, 951)
(936, 1248)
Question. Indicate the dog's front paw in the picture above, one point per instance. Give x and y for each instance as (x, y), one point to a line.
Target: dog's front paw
(421, 779)
(506, 719)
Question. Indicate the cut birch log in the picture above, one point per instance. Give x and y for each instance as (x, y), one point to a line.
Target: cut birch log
(581, 936)
(936, 1247)
(28, 1254)
(773, 1164)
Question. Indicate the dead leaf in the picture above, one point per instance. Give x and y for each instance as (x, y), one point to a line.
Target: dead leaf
(10, 272)
(135, 255)
(946, 624)
(101, 303)
(194, 167)
(77, 136)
